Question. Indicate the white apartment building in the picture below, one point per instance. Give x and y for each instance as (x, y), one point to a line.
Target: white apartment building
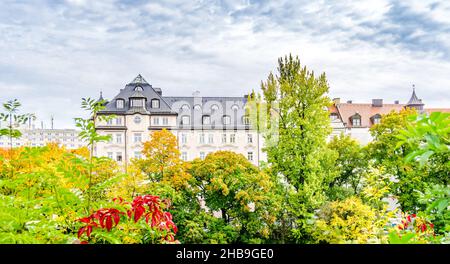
(208, 124)
(201, 124)
(41, 137)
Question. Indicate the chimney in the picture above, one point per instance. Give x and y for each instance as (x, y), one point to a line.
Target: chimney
(349, 101)
(158, 91)
(336, 101)
(377, 102)
(396, 102)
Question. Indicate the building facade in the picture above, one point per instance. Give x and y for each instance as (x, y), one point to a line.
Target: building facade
(201, 124)
(208, 124)
(356, 119)
(41, 137)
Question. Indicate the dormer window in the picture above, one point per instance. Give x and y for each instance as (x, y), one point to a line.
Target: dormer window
(139, 89)
(137, 103)
(185, 120)
(334, 116)
(226, 120)
(246, 120)
(155, 103)
(120, 104)
(356, 120)
(376, 119)
(206, 120)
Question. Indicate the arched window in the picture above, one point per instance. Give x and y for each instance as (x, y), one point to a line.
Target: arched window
(155, 103)
(185, 107)
(214, 107)
(139, 89)
(120, 103)
(197, 107)
(234, 107)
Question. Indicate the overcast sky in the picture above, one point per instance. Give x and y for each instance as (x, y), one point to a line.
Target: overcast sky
(53, 53)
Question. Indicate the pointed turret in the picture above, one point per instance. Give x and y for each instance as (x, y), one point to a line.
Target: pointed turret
(139, 80)
(414, 101)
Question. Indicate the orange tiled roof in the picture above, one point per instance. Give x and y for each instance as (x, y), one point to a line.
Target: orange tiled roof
(366, 111)
(431, 110)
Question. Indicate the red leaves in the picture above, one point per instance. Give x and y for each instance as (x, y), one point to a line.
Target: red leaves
(106, 217)
(148, 205)
(90, 223)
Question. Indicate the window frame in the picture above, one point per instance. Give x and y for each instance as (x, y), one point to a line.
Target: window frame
(122, 101)
(206, 117)
(188, 118)
(152, 103)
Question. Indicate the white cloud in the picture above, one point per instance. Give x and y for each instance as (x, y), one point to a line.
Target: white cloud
(59, 53)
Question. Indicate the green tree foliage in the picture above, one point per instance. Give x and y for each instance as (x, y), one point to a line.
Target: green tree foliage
(238, 194)
(383, 152)
(296, 142)
(89, 133)
(428, 136)
(350, 165)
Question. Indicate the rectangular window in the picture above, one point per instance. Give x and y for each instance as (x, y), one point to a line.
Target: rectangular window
(119, 156)
(377, 120)
(224, 138)
(119, 104)
(211, 138)
(137, 137)
(202, 139)
(118, 121)
(183, 138)
(165, 121)
(118, 138)
(250, 156)
(110, 155)
(356, 122)
(232, 138)
(155, 103)
(185, 120)
(202, 155)
(156, 121)
(206, 120)
(137, 102)
(226, 120)
(246, 120)
(109, 122)
(184, 156)
(110, 138)
(137, 154)
(249, 138)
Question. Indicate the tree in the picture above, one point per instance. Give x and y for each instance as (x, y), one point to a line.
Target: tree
(350, 164)
(384, 152)
(428, 138)
(14, 120)
(162, 160)
(349, 221)
(89, 132)
(297, 128)
(239, 192)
